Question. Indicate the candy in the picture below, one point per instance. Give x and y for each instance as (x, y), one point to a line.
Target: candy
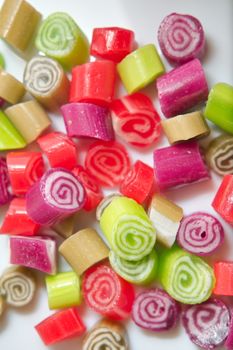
(181, 38)
(223, 271)
(106, 334)
(55, 196)
(107, 162)
(29, 118)
(55, 145)
(59, 37)
(154, 310)
(185, 127)
(138, 183)
(25, 168)
(200, 233)
(219, 155)
(35, 252)
(182, 88)
(62, 325)
(185, 277)
(93, 82)
(83, 249)
(137, 272)
(112, 43)
(45, 79)
(18, 285)
(2, 61)
(128, 229)
(17, 221)
(18, 24)
(93, 192)
(179, 165)
(11, 90)
(63, 290)
(229, 340)
(2, 305)
(107, 293)
(223, 200)
(219, 107)
(104, 203)
(65, 227)
(10, 138)
(165, 217)
(207, 324)
(5, 193)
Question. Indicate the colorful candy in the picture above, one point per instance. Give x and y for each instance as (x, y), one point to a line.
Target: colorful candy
(223, 200)
(55, 196)
(128, 229)
(10, 138)
(107, 162)
(5, 191)
(154, 310)
(182, 88)
(59, 37)
(65, 227)
(104, 203)
(11, 90)
(223, 271)
(107, 293)
(219, 155)
(88, 120)
(228, 344)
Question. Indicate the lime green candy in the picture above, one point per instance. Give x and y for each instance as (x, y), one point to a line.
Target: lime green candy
(219, 107)
(140, 68)
(59, 37)
(128, 229)
(10, 138)
(138, 272)
(2, 61)
(186, 277)
(63, 290)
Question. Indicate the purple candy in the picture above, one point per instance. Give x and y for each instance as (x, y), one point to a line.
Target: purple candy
(229, 341)
(5, 195)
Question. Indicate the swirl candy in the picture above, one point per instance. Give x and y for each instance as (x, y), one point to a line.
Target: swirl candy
(185, 277)
(128, 229)
(219, 155)
(181, 38)
(5, 195)
(104, 203)
(207, 325)
(59, 37)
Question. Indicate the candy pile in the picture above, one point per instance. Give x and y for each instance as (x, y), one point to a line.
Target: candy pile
(146, 237)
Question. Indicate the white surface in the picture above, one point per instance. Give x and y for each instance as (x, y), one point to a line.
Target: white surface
(144, 17)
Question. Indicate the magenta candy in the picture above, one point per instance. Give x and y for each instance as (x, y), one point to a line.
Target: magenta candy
(55, 196)
(179, 165)
(182, 88)
(88, 120)
(229, 341)
(35, 252)
(5, 195)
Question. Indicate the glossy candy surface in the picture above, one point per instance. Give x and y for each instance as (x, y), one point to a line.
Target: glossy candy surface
(223, 200)
(5, 190)
(223, 271)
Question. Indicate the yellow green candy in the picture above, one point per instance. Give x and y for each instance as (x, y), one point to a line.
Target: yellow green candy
(10, 138)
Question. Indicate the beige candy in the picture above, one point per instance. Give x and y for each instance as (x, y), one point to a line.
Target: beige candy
(185, 127)
(84, 249)
(2, 305)
(29, 118)
(11, 90)
(65, 228)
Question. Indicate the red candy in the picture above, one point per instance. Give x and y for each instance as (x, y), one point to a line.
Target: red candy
(60, 150)
(135, 120)
(223, 200)
(93, 82)
(24, 168)
(223, 271)
(93, 192)
(107, 293)
(107, 162)
(62, 325)
(138, 182)
(112, 43)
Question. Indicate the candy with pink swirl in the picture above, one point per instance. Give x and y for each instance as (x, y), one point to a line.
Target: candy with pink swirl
(5, 195)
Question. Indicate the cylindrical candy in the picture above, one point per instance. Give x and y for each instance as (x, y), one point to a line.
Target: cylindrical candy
(185, 127)
(88, 120)
(65, 227)
(10, 138)
(83, 249)
(182, 88)
(55, 196)
(45, 79)
(181, 38)
(228, 344)
(200, 233)
(2, 305)
(154, 310)
(140, 68)
(179, 165)
(223, 200)
(219, 155)
(18, 285)
(223, 271)
(11, 90)
(128, 229)
(5, 192)
(104, 203)
(59, 37)
(107, 293)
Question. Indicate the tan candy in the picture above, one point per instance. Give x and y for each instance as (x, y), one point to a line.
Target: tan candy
(65, 228)
(29, 118)
(2, 305)
(11, 90)
(83, 249)
(18, 24)
(185, 127)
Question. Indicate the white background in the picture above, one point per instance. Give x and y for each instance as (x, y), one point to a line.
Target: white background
(144, 17)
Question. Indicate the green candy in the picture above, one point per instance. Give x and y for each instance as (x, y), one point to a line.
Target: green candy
(10, 138)
(59, 37)
(2, 61)
(219, 107)
(186, 277)
(138, 272)
(128, 229)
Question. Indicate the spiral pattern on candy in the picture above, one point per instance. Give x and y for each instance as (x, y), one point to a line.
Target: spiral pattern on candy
(219, 155)
(104, 338)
